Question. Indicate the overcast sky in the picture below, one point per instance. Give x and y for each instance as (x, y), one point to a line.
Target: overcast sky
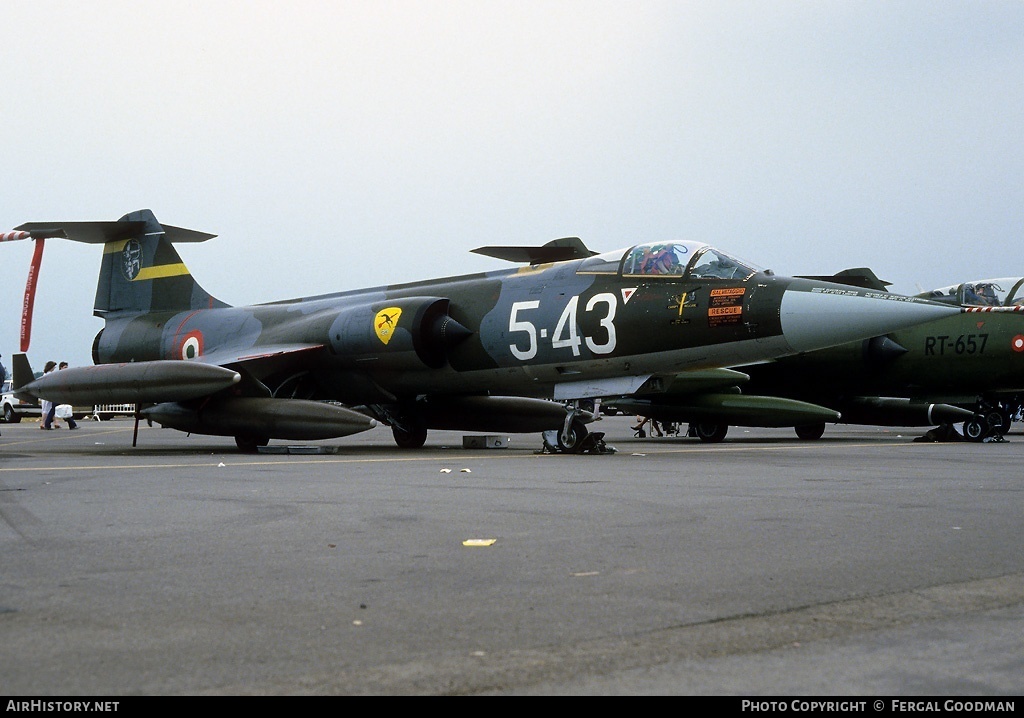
(341, 144)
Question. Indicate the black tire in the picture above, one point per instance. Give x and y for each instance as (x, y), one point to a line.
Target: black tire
(571, 440)
(976, 429)
(709, 432)
(250, 444)
(412, 437)
(810, 432)
(998, 421)
(10, 415)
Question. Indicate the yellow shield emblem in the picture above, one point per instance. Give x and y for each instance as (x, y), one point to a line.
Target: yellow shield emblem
(385, 322)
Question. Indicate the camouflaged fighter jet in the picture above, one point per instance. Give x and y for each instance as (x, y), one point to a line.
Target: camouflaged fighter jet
(503, 351)
(965, 368)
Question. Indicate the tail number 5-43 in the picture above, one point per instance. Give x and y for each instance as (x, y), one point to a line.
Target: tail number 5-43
(566, 332)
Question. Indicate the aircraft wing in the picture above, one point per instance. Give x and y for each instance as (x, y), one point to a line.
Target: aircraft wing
(859, 277)
(229, 357)
(557, 250)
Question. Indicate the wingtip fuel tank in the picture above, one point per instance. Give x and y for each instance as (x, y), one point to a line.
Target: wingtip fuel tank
(131, 383)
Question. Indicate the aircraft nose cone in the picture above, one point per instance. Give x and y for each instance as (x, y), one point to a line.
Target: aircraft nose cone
(815, 315)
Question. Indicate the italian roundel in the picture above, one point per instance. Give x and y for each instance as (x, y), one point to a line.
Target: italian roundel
(192, 345)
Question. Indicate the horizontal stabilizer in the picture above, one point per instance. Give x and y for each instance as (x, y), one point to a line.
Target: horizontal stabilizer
(103, 232)
(557, 250)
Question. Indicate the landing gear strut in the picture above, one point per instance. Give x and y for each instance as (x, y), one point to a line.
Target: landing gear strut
(574, 437)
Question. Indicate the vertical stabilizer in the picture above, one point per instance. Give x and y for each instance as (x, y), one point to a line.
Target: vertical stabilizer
(144, 273)
(141, 271)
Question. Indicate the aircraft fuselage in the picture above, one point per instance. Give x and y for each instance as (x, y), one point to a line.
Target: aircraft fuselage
(527, 331)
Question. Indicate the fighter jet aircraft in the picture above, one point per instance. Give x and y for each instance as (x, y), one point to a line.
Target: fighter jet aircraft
(512, 350)
(964, 368)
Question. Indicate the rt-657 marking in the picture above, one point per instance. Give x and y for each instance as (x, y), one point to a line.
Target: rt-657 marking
(963, 344)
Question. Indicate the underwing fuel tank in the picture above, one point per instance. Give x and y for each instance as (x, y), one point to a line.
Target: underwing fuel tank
(131, 383)
(511, 414)
(733, 408)
(895, 411)
(264, 417)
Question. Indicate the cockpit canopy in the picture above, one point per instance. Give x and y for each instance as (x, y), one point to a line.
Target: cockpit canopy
(1006, 292)
(690, 260)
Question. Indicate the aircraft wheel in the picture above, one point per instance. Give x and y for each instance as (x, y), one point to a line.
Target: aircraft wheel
(10, 415)
(998, 421)
(413, 437)
(250, 444)
(571, 440)
(710, 433)
(810, 432)
(975, 429)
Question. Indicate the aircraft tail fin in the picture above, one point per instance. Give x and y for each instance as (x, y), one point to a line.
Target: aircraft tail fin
(141, 270)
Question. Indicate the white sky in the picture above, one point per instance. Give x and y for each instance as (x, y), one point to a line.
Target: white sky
(341, 144)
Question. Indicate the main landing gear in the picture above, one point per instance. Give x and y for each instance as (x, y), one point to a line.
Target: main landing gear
(991, 422)
(410, 432)
(574, 437)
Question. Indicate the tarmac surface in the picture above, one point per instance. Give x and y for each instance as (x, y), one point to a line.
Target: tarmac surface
(861, 564)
